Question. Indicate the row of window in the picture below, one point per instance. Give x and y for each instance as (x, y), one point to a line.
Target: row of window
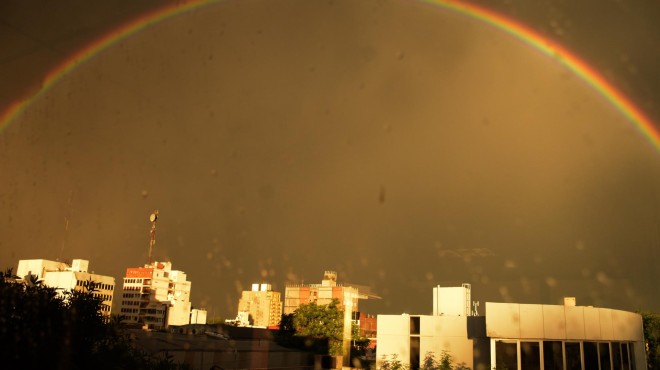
(129, 310)
(130, 295)
(105, 297)
(99, 286)
(136, 281)
(564, 355)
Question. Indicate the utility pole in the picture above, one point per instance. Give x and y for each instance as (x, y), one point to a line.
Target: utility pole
(152, 240)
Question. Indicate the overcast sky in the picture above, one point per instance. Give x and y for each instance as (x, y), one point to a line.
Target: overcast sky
(398, 143)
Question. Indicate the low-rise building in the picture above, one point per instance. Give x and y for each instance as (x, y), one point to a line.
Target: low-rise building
(518, 336)
(65, 277)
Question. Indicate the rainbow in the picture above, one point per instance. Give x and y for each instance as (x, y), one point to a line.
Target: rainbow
(519, 31)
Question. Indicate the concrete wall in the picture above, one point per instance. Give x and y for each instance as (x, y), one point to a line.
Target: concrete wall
(393, 338)
(440, 334)
(573, 323)
(533, 321)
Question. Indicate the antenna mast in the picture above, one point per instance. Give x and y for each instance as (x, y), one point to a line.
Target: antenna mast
(152, 240)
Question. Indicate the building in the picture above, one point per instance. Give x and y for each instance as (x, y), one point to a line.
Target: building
(368, 325)
(517, 336)
(322, 294)
(65, 277)
(198, 316)
(155, 296)
(262, 305)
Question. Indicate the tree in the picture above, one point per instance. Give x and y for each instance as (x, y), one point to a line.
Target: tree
(321, 322)
(392, 364)
(40, 328)
(652, 337)
(445, 362)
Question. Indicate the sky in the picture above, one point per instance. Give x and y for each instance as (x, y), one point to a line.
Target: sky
(398, 143)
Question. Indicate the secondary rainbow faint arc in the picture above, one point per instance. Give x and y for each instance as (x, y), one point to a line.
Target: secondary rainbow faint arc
(517, 30)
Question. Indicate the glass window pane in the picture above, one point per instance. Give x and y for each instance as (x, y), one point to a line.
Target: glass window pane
(590, 355)
(625, 360)
(553, 358)
(573, 357)
(530, 356)
(604, 350)
(616, 355)
(506, 355)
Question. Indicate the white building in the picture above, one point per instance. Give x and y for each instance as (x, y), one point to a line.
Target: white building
(155, 297)
(262, 305)
(198, 316)
(72, 277)
(517, 336)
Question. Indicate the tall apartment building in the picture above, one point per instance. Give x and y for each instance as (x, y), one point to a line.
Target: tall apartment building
(262, 304)
(74, 277)
(155, 296)
(323, 294)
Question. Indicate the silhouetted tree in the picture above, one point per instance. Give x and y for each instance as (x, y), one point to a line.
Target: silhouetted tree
(41, 328)
(652, 336)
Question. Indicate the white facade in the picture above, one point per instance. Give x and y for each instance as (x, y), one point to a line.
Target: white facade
(453, 301)
(64, 277)
(262, 305)
(518, 336)
(198, 316)
(155, 296)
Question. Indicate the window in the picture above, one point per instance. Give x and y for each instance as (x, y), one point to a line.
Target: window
(414, 325)
(506, 355)
(625, 360)
(573, 356)
(553, 356)
(414, 352)
(604, 355)
(530, 356)
(590, 355)
(616, 356)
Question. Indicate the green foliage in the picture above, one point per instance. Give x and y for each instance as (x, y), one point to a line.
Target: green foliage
(446, 362)
(40, 328)
(652, 336)
(392, 364)
(321, 321)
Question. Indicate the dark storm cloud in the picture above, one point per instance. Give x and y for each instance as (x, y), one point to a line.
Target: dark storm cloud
(402, 146)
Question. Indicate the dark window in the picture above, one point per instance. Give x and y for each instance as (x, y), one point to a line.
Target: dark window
(530, 356)
(631, 355)
(414, 352)
(506, 355)
(604, 355)
(625, 360)
(616, 355)
(590, 355)
(573, 357)
(553, 357)
(414, 325)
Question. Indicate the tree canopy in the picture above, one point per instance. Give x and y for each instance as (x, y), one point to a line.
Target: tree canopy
(41, 328)
(652, 336)
(320, 322)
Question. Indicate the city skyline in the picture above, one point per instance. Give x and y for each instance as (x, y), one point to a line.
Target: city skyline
(401, 144)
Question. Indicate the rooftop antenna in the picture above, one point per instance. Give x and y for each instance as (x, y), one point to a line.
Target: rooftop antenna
(152, 241)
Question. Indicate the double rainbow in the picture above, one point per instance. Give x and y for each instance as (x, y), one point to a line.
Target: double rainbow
(586, 73)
